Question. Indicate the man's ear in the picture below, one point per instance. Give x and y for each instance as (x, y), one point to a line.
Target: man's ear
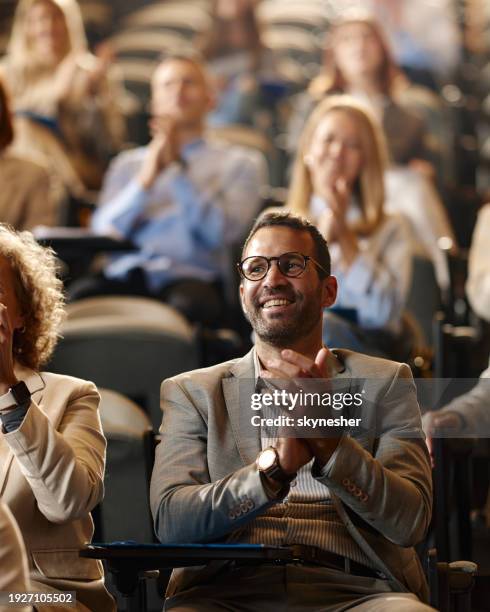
(242, 303)
(329, 291)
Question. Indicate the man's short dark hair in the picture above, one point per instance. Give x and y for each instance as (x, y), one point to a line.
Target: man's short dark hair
(300, 224)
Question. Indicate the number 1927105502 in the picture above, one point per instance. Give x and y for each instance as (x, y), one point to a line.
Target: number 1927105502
(60, 598)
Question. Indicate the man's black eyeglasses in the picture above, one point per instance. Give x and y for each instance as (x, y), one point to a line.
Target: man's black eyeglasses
(256, 267)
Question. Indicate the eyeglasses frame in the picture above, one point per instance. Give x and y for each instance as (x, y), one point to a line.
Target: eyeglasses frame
(269, 260)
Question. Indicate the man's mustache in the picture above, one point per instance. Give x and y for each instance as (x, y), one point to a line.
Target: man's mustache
(288, 294)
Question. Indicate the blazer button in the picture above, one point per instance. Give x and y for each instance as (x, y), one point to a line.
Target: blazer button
(364, 497)
(231, 515)
(346, 482)
(244, 507)
(250, 504)
(358, 493)
(351, 488)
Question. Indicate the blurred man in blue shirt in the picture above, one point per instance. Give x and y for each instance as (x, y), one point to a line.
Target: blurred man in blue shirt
(182, 201)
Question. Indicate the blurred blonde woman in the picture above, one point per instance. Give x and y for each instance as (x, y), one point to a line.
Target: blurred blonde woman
(359, 62)
(52, 449)
(337, 183)
(67, 104)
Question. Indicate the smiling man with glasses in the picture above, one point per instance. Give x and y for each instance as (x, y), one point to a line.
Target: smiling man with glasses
(351, 503)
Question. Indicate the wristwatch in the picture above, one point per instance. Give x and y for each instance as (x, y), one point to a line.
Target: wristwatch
(268, 464)
(17, 394)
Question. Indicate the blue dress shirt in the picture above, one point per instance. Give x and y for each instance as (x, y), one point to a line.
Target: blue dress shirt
(183, 224)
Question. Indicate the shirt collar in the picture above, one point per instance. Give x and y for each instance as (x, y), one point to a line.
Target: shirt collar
(189, 148)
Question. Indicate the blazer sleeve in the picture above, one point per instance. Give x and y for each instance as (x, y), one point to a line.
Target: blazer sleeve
(64, 466)
(474, 408)
(391, 489)
(186, 505)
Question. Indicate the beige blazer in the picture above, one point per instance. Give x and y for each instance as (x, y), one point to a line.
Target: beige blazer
(13, 560)
(205, 483)
(51, 477)
(27, 198)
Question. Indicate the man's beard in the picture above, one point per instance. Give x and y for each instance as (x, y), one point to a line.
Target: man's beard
(286, 329)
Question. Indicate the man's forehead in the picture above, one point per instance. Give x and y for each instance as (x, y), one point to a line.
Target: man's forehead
(170, 67)
(275, 240)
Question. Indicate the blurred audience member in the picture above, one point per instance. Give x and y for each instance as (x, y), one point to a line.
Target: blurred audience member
(67, 104)
(358, 62)
(26, 198)
(14, 575)
(470, 413)
(243, 70)
(182, 200)
(425, 36)
(52, 449)
(338, 183)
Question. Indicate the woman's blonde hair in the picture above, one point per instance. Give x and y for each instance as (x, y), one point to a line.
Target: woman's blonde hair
(20, 54)
(39, 293)
(331, 80)
(369, 187)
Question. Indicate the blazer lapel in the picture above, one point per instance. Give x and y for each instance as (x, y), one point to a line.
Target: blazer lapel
(237, 391)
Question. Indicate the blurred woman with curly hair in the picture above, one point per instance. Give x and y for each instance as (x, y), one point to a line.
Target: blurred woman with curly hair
(52, 450)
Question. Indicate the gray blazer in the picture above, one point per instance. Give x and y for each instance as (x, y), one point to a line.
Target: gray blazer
(205, 484)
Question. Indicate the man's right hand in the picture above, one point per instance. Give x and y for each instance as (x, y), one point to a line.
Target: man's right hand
(162, 150)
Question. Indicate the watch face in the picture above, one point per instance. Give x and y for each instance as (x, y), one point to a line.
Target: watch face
(266, 459)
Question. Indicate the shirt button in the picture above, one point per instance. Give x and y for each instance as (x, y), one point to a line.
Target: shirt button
(293, 483)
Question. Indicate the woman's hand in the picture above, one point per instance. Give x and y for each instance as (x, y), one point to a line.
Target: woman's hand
(333, 222)
(337, 196)
(7, 375)
(80, 76)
